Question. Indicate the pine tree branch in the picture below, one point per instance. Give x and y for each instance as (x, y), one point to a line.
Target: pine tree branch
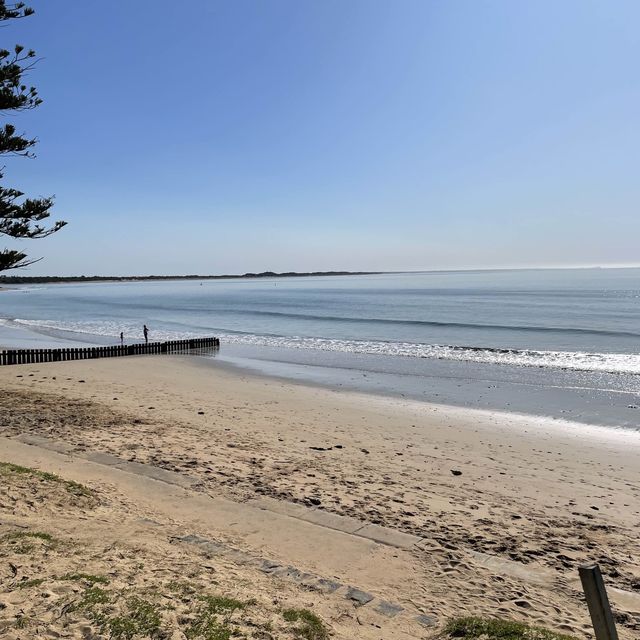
(15, 260)
(19, 218)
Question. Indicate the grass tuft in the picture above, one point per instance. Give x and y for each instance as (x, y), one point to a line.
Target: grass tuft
(181, 588)
(36, 582)
(208, 630)
(20, 535)
(22, 622)
(473, 628)
(85, 577)
(310, 627)
(220, 605)
(142, 619)
(92, 597)
(206, 625)
(20, 541)
(72, 487)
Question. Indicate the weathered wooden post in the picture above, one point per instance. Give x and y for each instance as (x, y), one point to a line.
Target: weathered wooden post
(598, 602)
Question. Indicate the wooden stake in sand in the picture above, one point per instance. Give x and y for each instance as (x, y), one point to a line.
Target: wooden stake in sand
(598, 602)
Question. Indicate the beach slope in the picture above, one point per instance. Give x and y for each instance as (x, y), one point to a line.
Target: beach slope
(434, 511)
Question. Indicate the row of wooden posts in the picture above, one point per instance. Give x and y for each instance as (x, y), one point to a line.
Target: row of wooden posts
(33, 356)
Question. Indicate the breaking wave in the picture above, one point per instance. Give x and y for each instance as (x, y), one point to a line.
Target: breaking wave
(619, 363)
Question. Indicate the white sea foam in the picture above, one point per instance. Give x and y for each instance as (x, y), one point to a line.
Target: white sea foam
(577, 361)
(620, 363)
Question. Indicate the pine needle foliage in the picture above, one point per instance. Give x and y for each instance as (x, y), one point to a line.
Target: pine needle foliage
(20, 217)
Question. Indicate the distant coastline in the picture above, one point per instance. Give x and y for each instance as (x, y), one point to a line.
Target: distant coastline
(265, 274)
(13, 280)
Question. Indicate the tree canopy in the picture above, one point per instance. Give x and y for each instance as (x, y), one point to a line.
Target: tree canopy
(20, 217)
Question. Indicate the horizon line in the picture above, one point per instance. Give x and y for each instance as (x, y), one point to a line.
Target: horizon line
(284, 274)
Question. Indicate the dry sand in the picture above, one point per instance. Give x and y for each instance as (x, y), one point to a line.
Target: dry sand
(530, 499)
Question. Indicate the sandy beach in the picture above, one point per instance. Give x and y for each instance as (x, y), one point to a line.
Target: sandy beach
(497, 510)
(340, 341)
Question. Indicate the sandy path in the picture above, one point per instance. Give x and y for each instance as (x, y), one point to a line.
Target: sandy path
(529, 490)
(142, 512)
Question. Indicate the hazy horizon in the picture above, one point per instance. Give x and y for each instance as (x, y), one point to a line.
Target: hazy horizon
(247, 136)
(25, 272)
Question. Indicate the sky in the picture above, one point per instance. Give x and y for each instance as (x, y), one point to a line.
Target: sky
(294, 135)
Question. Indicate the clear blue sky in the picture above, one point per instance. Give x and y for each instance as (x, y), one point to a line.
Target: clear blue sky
(246, 135)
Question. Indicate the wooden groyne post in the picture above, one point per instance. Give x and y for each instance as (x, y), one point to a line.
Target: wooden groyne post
(598, 602)
(37, 356)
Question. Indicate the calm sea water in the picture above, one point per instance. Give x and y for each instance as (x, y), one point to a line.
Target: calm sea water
(540, 329)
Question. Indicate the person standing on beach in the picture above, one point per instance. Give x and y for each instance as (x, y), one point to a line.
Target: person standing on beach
(146, 333)
(122, 338)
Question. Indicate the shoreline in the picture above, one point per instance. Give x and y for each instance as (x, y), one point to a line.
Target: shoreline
(394, 400)
(28, 280)
(583, 369)
(613, 409)
(449, 383)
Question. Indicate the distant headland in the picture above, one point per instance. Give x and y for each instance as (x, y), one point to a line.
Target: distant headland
(264, 274)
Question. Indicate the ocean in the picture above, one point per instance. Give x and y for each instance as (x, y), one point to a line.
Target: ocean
(561, 343)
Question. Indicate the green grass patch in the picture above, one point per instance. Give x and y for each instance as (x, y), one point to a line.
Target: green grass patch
(21, 535)
(207, 625)
(137, 618)
(21, 541)
(85, 577)
(72, 487)
(208, 629)
(309, 626)
(22, 622)
(472, 628)
(36, 582)
(92, 597)
(141, 619)
(181, 588)
(217, 605)
(91, 603)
